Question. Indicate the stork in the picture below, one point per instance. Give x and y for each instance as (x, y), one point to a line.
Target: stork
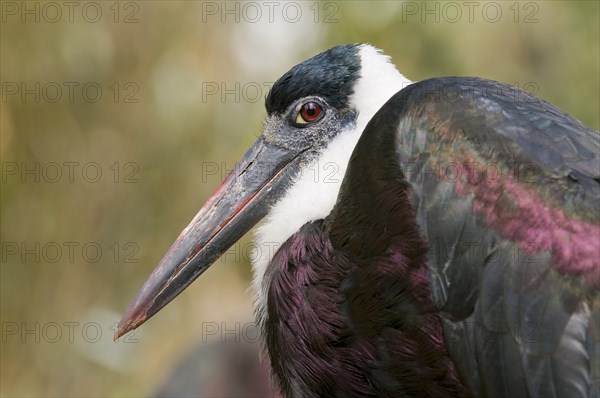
(457, 255)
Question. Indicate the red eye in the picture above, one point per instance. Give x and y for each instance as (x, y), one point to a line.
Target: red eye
(310, 112)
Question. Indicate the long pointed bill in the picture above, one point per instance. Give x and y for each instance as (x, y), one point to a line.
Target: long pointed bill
(242, 200)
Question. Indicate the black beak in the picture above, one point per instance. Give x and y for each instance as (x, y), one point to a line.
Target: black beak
(240, 202)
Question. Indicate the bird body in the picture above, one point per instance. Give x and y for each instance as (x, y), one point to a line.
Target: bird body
(373, 299)
(457, 255)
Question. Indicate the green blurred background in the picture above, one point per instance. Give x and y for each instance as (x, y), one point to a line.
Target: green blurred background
(119, 119)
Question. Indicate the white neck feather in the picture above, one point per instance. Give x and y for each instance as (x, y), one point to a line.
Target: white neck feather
(314, 195)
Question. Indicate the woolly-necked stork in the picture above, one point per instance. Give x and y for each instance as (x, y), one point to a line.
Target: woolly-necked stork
(458, 255)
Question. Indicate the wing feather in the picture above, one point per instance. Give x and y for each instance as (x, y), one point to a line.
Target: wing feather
(506, 191)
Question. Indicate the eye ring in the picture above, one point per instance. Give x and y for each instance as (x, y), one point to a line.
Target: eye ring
(310, 112)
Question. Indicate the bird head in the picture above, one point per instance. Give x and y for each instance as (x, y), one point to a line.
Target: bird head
(292, 174)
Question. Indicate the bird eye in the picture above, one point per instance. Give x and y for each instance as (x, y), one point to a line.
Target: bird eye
(310, 112)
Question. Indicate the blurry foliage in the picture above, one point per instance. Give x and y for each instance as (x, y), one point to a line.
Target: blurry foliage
(169, 134)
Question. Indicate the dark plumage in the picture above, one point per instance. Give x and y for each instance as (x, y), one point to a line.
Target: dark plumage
(342, 327)
(330, 75)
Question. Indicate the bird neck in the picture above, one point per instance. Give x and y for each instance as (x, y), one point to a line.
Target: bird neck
(374, 205)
